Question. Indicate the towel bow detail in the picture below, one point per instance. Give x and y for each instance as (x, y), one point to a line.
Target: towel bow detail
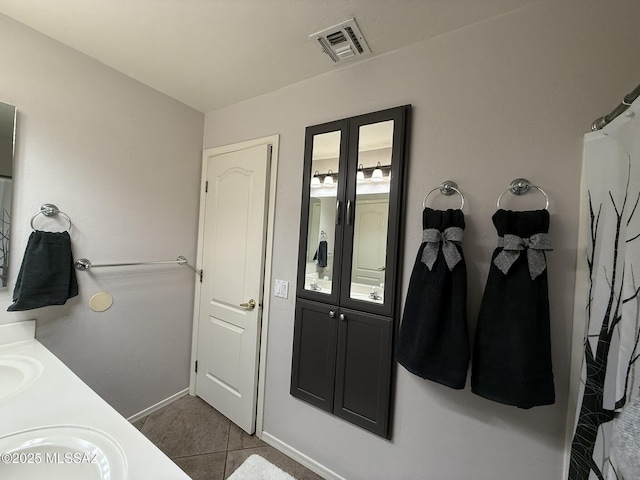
(449, 238)
(512, 245)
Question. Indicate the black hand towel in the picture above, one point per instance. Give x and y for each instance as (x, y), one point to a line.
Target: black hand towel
(433, 342)
(321, 254)
(47, 276)
(512, 350)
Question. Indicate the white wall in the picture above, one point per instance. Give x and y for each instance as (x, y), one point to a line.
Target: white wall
(123, 161)
(507, 98)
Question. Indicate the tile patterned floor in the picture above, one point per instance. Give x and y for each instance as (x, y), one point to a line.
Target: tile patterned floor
(206, 445)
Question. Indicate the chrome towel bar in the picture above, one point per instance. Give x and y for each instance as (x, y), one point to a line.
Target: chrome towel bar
(85, 264)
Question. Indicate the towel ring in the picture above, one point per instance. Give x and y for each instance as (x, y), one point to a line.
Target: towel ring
(520, 186)
(447, 188)
(49, 210)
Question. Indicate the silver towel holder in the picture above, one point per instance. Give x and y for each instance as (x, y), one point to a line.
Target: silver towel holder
(49, 210)
(447, 188)
(85, 264)
(520, 186)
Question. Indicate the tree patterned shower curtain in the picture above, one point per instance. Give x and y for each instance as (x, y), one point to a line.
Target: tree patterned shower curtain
(609, 379)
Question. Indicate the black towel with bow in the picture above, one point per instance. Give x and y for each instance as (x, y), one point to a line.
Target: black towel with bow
(433, 341)
(47, 276)
(512, 349)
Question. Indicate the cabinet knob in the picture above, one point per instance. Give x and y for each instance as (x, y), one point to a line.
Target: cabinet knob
(343, 317)
(332, 313)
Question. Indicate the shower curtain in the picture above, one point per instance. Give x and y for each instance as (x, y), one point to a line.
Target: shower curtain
(610, 225)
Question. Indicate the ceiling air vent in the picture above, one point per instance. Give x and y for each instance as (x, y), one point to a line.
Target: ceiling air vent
(342, 42)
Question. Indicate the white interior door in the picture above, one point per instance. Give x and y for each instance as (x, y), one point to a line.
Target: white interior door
(230, 307)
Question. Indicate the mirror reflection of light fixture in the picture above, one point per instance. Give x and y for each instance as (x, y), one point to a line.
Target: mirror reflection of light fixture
(376, 176)
(360, 174)
(315, 181)
(328, 180)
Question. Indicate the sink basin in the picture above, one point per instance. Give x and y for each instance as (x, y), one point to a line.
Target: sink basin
(365, 297)
(17, 372)
(62, 452)
(318, 288)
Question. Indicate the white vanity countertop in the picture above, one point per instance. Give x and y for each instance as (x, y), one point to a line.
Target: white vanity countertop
(59, 400)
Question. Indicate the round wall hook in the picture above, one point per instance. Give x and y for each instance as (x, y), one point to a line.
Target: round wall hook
(49, 210)
(448, 187)
(83, 264)
(519, 186)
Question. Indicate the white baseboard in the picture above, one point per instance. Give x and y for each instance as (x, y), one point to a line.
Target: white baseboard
(158, 406)
(300, 457)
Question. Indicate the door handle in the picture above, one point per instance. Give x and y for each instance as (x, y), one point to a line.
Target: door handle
(250, 305)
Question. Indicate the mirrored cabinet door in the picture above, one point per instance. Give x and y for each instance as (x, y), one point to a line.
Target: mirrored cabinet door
(7, 145)
(373, 200)
(371, 212)
(323, 194)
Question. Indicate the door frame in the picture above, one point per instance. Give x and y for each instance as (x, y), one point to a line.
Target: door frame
(272, 176)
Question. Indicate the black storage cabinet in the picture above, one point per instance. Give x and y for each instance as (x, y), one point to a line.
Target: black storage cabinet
(343, 341)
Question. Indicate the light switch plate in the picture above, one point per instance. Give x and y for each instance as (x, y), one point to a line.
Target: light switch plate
(281, 289)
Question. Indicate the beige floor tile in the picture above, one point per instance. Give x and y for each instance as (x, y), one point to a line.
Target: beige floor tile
(138, 424)
(207, 445)
(239, 439)
(186, 427)
(203, 467)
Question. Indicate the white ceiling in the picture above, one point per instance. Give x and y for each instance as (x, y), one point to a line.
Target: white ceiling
(213, 53)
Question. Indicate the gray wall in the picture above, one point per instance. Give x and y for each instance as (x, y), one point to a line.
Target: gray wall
(123, 161)
(498, 100)
(507, 98)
